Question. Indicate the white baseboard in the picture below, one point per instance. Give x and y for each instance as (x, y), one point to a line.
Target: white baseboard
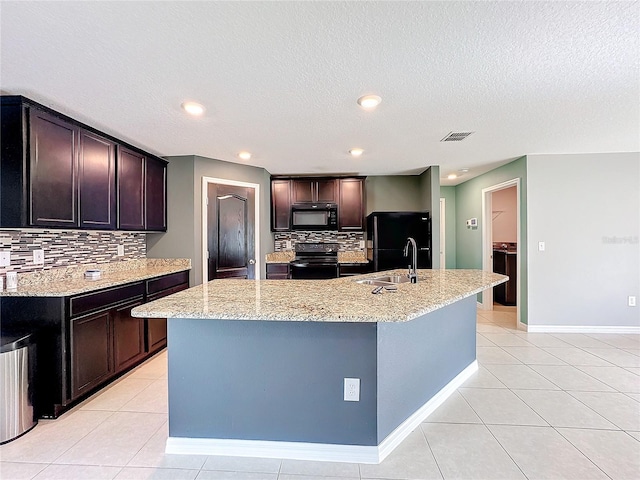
(582, 329)
(318, 451)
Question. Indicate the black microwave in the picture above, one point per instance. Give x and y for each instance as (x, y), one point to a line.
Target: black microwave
(314, 216)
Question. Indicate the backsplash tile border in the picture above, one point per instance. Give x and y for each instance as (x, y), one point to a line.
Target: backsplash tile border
(348, 241)
(63, 248)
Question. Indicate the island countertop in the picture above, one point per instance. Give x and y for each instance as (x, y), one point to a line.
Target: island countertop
(335, 300)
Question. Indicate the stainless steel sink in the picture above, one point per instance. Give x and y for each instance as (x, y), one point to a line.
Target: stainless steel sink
(385, 280)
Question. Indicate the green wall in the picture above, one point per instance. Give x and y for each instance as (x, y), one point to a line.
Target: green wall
(391, 193)
(449, 194)
(430, 190)
(177, 242)
(469, 205)
(183, 238)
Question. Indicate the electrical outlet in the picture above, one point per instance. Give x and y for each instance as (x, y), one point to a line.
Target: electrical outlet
(632, 300)
(120, 252)
(362, 244)
(38, 257)
(5, 258)
(351, 389)
(541, 246)
(287, 244)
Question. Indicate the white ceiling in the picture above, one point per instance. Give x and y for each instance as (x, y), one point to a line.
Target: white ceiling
(281, 79)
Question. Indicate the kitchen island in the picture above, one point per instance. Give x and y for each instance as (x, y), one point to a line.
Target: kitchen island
(258, 368)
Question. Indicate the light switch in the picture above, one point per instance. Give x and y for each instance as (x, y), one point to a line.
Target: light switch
(541, 246)
(5, 258)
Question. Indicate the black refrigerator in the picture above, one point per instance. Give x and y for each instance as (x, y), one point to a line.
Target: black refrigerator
(387, 234)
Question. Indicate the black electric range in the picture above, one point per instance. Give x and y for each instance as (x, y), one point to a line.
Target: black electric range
(315, 261)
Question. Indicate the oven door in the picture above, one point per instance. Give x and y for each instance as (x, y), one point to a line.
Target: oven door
(313, 271)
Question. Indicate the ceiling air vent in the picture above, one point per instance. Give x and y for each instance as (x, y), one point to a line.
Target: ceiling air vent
(456, 136)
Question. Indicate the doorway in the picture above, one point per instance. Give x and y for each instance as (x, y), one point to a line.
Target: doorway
(230, 229)
(488, 214)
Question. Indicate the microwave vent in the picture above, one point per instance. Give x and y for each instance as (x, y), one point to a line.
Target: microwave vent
(456, 136)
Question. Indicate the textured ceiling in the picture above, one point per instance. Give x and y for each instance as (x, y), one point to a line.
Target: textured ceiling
(281, 79)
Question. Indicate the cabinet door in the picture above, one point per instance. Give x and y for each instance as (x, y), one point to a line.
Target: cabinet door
(131, 190)
(351, 204)
(128, 333)
(53, 179)
(280, 205)
(500, 266)
(304, 190)
(91, 352)
(97, 182)
(157, 327)
(277, 271)
(327, 191)
(156, 195)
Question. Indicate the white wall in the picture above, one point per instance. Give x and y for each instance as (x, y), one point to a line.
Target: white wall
(504, 204)
(585, 207)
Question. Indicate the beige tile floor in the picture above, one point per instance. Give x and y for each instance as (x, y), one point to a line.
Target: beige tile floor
(548, 406)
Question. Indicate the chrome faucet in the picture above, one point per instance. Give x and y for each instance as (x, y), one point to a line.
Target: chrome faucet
(413, 276)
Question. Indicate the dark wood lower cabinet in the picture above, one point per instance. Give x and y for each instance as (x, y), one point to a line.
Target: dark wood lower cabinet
(91, 352)
(128, 335)
(506, 264)
(278, 271)
(349, 269)
(87, 340)
(156, 328)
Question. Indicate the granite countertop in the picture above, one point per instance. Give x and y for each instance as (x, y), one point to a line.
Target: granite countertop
(335, 300)
(67, 281)
(289, 255)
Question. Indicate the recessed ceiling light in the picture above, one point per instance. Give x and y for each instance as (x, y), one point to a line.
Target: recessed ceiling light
(451, 176)
(244, 155)
(369, 102)
(356, 152)
(193, 108)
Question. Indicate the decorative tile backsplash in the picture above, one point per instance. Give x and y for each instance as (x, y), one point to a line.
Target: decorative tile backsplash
(349, 241)
(64, 248)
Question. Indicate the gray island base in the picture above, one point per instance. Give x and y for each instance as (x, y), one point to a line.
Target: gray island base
(275, 388)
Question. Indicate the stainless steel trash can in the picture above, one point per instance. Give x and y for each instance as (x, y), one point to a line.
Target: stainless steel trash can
(17, 358)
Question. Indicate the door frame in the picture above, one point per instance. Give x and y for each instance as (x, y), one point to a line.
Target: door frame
(443, 250)
(256, 231)
(487, 244)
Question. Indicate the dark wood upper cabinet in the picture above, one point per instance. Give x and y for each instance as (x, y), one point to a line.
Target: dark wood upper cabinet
(97, 181)
(351, 206)
(53, 179)
(131, 189)
(142, 191)
(347, 192)
(314, 190)
(58, 172)
(156, 195)
(280, 205)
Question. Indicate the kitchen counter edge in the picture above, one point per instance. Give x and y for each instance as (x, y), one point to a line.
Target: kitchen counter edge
(334, 300)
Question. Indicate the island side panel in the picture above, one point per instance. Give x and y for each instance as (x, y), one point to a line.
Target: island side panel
(416, 359)
(274, 381)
